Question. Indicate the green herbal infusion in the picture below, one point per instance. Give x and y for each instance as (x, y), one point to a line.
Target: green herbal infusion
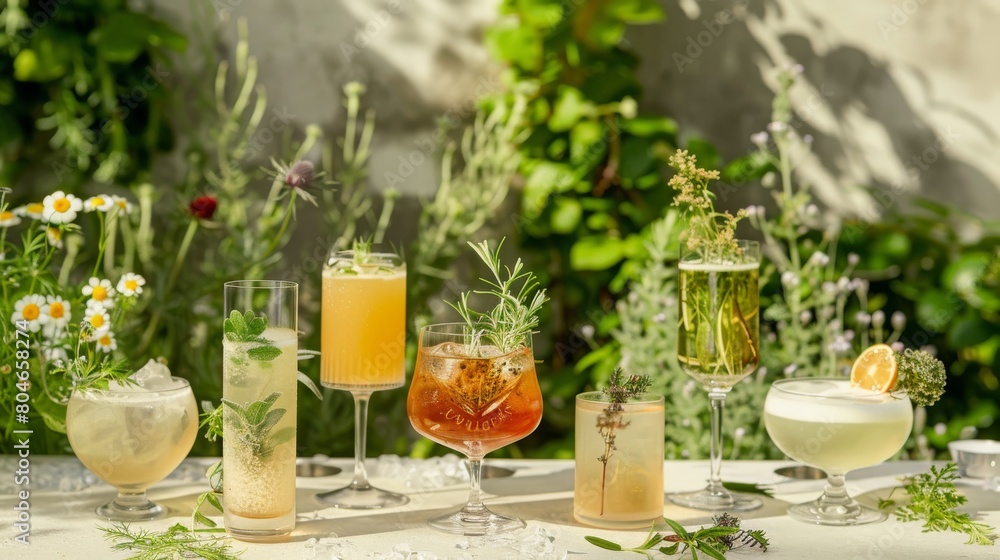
(719, 323)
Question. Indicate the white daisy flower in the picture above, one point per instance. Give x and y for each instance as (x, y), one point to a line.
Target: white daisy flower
(131, 284)
(98, 320)
(102, 202)
(101, 293)
(124, 206)
(61, 208)
(107, 342)
(29, 308)
(55, 354)
(54, 236)
(56, 312)
(53, 333)
(9, 219)
(33, 210)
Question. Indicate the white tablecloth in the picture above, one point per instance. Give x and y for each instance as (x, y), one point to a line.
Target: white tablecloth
(63, 520)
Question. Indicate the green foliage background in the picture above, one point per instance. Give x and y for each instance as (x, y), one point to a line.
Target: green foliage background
(594, 219)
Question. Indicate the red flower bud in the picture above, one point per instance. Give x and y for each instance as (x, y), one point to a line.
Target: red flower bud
(203, 207)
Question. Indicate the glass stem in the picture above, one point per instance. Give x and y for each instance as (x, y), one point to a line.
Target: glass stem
(134, 499)
(835, 493)
(360, 481)
(475, 504)
(718, 400)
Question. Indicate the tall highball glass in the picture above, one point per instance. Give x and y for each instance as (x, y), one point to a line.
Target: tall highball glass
(259, 400)
(718, 346)
(363, 347)
(473, 398)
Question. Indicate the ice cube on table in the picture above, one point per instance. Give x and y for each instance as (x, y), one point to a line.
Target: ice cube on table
(154, 376)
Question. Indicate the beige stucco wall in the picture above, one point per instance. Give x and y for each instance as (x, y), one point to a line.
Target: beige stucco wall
(903, 95)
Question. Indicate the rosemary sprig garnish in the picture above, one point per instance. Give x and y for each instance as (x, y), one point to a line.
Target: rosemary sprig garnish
(933, 500)
(619, 390)
(509, 325)
(712, 541)
(176, 542)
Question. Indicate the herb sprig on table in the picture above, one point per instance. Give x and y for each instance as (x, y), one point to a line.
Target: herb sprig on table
(933, 500)
(714, 541)
(619, 390)
(176, 542)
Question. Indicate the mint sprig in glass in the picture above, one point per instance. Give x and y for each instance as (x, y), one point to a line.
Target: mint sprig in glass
(718, 328)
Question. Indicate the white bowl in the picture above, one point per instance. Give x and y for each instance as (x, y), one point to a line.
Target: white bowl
(976, 458)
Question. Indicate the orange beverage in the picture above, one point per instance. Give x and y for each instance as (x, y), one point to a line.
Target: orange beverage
(364, 323)
(474, 405)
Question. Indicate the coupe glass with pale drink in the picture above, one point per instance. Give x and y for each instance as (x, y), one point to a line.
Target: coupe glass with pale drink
(717, 346)
(259, 399)
(474, 398)
(826, 423)
(132, 435)
(363, 350)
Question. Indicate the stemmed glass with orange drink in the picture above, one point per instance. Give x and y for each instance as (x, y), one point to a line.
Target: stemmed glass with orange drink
(474, 387)
(363, 348)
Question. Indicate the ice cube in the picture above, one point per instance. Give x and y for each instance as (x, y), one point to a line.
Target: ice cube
(450, 350)
(154, 376)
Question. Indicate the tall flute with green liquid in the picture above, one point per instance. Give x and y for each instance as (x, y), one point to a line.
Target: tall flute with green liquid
(259, 376)
(718, 335)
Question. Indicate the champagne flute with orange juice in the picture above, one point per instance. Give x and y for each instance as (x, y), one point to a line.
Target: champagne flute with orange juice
(363, 348)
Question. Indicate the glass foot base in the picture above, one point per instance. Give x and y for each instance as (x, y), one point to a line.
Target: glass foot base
(144, 511)
(350, 497)
(851, 513)
(250, 529)
(716, 501)
(474, 523)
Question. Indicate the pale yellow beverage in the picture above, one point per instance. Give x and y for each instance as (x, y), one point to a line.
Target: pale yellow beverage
(259, 435)
(830, 425)
(132, 437)
(619, 462)
(363, 325)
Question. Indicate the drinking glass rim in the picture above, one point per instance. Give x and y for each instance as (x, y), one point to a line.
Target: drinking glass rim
(873, 398)
(185, 385)
(643, 398)
(260, 284)
(748, 245)
(451, 330)
(446, 328)
(380, 257)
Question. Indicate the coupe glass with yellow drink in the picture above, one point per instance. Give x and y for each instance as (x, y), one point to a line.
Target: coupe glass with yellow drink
(363, 348)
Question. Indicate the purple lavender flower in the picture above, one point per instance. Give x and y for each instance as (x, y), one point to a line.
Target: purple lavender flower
(898, 320)
(878, 319)
(300, 175)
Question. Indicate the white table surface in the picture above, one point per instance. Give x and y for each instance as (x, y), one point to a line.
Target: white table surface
(540, 491)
